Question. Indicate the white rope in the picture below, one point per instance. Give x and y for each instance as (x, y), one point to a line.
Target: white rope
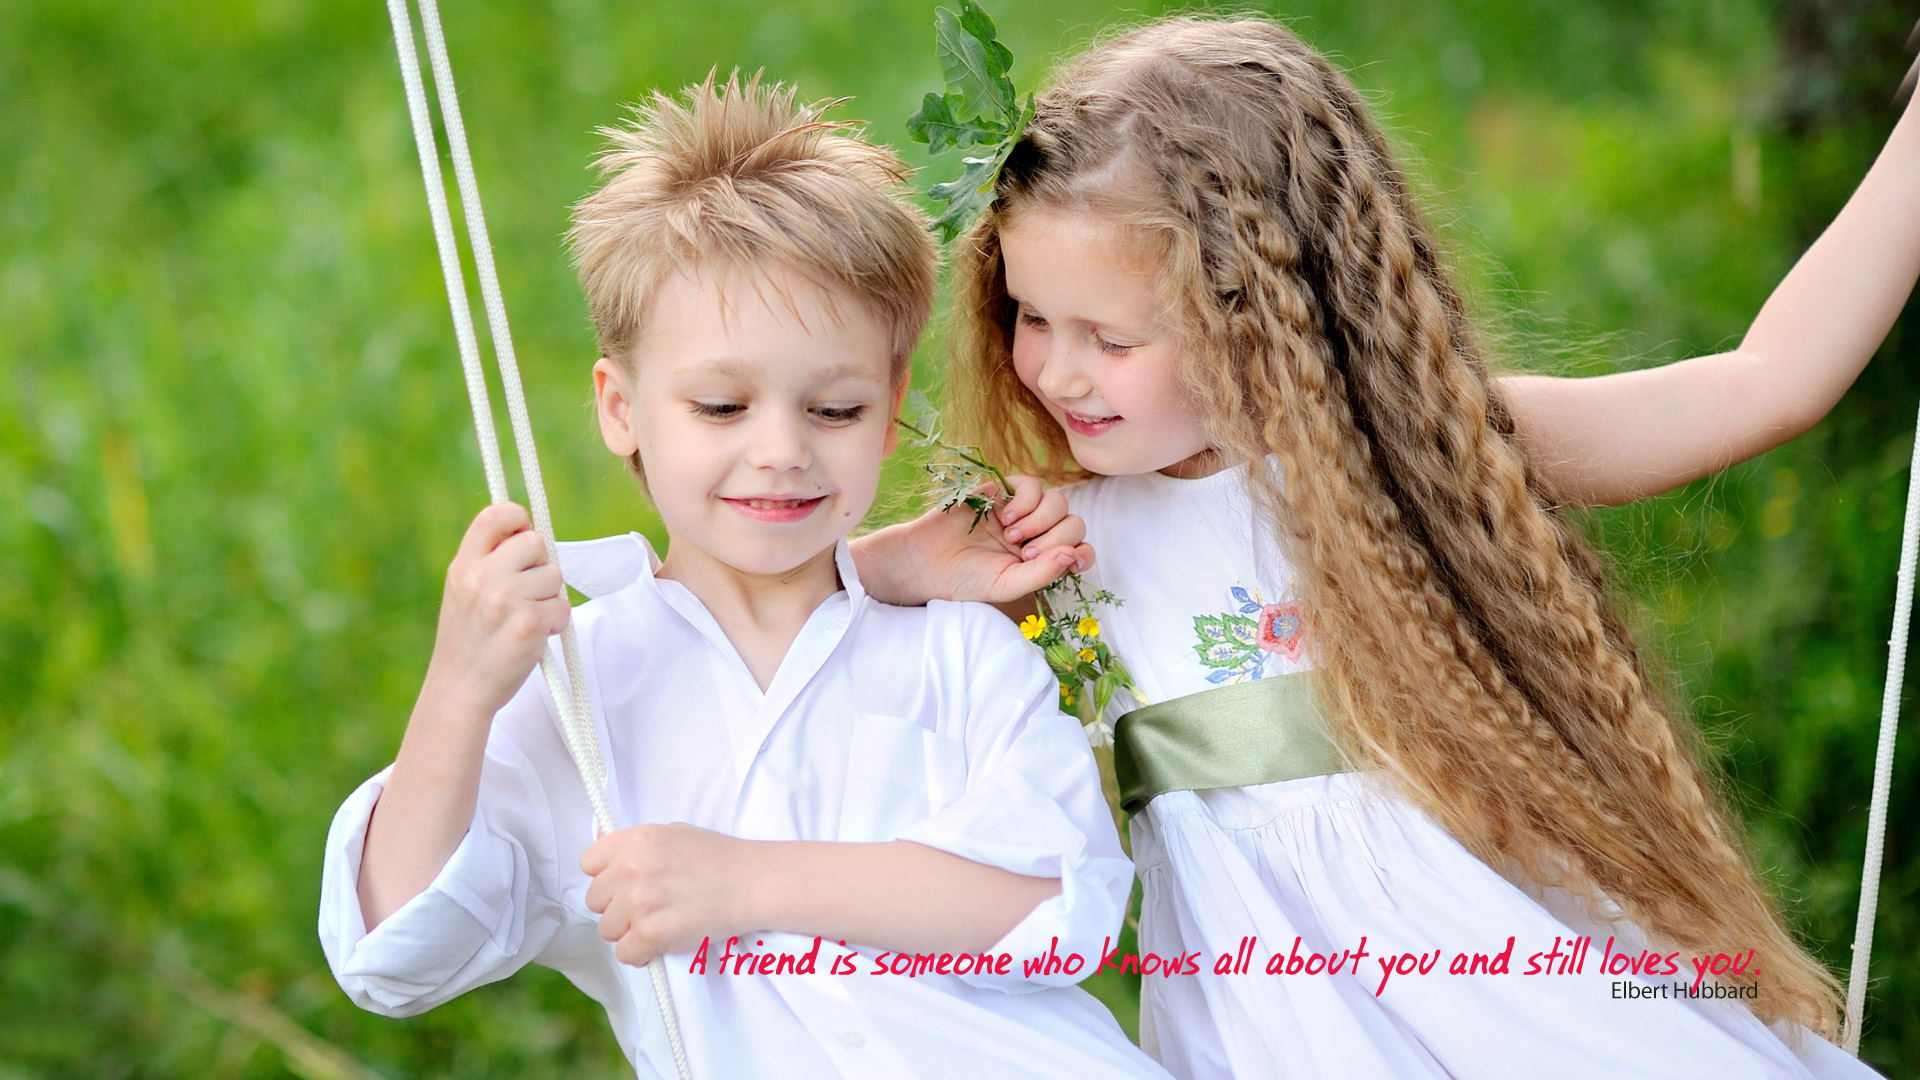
(568, 688)
(576, 718)
(1883, 760)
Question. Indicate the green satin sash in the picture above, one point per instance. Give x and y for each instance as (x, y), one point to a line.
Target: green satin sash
(1257, 732)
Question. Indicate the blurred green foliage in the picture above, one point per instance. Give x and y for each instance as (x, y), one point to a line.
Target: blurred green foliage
(235, 455)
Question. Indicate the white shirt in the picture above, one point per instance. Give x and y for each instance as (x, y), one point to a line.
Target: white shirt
(937, 725)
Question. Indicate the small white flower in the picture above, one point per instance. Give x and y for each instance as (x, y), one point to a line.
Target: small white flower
(1099, 733)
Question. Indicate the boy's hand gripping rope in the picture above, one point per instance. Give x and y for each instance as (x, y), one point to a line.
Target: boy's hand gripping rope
(568, 688)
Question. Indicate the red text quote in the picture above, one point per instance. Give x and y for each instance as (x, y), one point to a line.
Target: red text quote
(1565, 956)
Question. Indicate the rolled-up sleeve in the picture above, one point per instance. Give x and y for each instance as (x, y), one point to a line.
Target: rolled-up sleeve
(1032, 806)
(485, 915)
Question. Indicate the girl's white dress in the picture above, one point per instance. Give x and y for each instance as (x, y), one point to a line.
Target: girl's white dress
(1332, 861)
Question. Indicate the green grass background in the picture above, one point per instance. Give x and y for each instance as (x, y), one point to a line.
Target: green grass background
(235, 455)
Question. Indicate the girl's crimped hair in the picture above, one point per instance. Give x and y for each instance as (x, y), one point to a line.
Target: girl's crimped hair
(1460, 626)
(741, 177)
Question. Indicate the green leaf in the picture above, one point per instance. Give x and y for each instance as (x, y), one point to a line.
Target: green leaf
(1103, 693)
(975, 65)
(936, 125)
(979, 109)
(920, 414)
(1061, 659)
(969, 194)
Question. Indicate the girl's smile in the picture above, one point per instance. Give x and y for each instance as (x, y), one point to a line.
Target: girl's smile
(1089, 426)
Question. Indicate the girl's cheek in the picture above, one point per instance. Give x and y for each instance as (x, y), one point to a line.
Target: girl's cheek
(1026, 362)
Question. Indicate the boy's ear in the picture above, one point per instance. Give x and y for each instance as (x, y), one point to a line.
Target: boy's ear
(613, 403)
(893, 425)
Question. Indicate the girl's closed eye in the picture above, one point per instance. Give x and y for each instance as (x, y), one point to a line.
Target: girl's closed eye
(1028, 318)
(1112, 348)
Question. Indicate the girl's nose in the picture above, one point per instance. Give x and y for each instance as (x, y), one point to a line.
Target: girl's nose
(1063, 374)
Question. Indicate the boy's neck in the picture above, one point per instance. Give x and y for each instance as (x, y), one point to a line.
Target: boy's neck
(761, 614)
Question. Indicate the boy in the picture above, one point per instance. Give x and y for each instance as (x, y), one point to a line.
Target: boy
(806, 762)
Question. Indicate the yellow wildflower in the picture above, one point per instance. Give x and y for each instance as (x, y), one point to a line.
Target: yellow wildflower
(1089, 627)
(1066, 698)
(1033, 626)
(1087, 655)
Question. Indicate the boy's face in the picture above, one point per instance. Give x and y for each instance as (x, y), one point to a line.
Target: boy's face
(761, 421)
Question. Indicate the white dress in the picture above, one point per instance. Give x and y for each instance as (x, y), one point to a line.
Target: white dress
(1208, 599)
(937, 725)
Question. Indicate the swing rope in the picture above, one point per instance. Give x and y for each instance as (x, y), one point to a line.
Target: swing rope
(1883, 759)
(568, 687)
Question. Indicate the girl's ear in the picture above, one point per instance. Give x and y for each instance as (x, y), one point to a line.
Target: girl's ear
(613, 402)
(893, 418)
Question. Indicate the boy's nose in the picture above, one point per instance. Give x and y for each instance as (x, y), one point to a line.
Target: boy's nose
(779, 443)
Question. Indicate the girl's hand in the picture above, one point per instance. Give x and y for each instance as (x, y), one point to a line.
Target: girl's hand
(1015, 551)
(503, 600)
(658, 888)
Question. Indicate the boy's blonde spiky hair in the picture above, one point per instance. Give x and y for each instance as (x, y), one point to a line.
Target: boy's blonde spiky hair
(731, 177)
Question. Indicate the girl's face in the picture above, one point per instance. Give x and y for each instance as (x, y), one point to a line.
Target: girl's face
(1088, 344)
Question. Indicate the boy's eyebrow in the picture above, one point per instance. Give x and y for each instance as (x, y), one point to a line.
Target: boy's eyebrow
(746, 370)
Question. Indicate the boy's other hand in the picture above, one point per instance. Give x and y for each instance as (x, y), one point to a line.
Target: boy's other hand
(658, 888)
(503, 600)
(1020, 548)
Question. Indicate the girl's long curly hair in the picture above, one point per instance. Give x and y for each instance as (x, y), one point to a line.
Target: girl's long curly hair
(1460, 626)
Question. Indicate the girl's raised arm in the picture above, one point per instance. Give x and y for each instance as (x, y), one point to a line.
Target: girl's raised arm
(1616, 438)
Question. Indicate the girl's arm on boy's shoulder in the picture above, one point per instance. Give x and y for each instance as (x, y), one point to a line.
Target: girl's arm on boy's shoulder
(1022, 547)
(1616, 438)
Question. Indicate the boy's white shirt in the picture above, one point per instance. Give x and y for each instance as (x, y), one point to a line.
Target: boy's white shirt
(937, 725)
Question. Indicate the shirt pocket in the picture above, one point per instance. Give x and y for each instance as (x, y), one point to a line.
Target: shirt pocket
(898, 774)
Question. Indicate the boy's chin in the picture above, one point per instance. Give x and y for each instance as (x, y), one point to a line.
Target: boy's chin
(770, 557)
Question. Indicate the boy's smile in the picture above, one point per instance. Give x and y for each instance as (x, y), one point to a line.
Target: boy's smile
(775, 510)
(761, 407)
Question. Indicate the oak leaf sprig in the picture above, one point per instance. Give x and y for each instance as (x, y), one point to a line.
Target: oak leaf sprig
(978, 110)
(1066, 628)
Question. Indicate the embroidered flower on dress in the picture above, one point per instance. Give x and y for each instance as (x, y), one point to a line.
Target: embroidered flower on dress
(1280, 629)
(1236, 644)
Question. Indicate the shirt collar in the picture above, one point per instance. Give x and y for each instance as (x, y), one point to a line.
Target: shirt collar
(598, 567)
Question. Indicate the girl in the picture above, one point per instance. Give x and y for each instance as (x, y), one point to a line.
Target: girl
(1202, 282)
